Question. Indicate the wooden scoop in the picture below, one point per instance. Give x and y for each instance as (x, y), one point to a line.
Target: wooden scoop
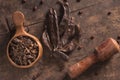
(18, 19)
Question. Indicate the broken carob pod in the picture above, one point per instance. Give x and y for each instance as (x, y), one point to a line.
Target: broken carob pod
(24, 49)
(102, 53)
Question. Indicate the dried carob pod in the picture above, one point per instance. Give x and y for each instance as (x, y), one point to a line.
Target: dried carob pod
(60, 34)
(52, 27)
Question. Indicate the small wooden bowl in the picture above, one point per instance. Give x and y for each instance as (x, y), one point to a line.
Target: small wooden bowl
(18, 19)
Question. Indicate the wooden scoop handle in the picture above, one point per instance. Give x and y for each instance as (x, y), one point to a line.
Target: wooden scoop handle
(18, 19)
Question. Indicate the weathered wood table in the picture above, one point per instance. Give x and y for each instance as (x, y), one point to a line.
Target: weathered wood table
(98, 19)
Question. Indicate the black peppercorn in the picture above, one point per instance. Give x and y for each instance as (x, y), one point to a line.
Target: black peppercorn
(79, 13)
(109, 13)
(35, 8)
(78, 0)
(23, 1)
(41, 2)
(92, 37)
(80, 47)
(118, 37)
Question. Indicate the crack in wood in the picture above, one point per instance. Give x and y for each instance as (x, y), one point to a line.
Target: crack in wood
(8, 26)
(72, 11)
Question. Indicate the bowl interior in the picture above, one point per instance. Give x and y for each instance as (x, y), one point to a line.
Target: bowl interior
(23, 51)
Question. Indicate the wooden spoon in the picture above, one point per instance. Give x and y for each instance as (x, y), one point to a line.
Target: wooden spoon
(18, 19)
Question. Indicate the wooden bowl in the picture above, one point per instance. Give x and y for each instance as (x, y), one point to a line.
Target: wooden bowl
(18, 19)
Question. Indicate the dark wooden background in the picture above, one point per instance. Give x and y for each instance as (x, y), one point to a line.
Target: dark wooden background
(99, 18)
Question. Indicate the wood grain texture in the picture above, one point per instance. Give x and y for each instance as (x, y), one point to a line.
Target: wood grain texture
(94, 21)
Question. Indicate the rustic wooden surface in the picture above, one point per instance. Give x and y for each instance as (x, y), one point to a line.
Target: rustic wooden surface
(99, 18)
